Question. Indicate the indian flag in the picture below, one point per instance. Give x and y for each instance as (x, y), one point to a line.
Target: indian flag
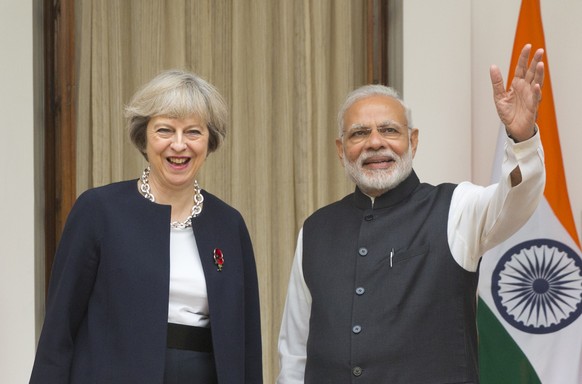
(530, 288)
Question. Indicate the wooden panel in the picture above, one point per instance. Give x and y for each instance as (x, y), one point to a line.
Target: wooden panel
(60, 162)
(376, 42)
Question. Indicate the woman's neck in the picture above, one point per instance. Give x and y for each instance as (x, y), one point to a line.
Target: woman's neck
(180, 199)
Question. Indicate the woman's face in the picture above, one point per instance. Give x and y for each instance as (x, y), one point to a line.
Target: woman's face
(176, 150)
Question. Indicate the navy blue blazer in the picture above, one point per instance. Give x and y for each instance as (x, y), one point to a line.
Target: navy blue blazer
(107, 306)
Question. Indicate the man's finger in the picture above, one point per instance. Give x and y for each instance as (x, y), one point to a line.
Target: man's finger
(496, 81)
(539, 74)
(521, 67)
(533, 66)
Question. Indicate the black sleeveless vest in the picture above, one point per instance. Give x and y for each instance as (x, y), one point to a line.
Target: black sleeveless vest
(390, 304)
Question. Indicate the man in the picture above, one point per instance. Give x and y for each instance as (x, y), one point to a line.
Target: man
(383, 285)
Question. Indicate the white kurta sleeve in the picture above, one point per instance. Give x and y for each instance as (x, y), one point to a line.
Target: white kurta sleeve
(483, 217)
(295, 323)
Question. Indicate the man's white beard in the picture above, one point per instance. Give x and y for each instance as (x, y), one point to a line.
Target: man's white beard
(372, 181)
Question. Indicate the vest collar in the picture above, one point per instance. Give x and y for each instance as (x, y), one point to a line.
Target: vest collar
(393, 196)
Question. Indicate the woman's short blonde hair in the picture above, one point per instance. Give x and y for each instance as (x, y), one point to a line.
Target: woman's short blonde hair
(177, 94)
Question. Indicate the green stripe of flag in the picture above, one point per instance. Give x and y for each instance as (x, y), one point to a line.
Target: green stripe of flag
(501, 361)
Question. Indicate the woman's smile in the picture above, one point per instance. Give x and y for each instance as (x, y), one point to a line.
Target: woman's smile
(176, 149)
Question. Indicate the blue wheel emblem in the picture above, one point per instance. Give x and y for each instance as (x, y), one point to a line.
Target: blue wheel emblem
(537, 286)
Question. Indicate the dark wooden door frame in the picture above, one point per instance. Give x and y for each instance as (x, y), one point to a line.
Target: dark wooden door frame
(377, 42)
(60, 107)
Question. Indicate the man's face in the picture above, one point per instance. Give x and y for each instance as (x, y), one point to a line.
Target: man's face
(377, 147)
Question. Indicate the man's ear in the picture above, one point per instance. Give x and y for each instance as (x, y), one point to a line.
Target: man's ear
(340, 149)
(413, 140)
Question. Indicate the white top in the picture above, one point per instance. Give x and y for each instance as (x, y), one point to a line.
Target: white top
(479, 219)
(188, 303)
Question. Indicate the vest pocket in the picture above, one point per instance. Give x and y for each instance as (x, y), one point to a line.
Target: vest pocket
(407, 254)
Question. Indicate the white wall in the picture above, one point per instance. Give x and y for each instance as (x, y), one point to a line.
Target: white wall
(17, 192)
(448, 48)
(437, 85)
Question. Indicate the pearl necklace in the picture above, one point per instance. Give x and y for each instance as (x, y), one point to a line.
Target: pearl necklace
(196, 208)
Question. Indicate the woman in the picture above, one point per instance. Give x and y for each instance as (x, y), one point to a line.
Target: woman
(154, 280)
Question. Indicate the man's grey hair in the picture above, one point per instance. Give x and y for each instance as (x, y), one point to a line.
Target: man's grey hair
(367, 91)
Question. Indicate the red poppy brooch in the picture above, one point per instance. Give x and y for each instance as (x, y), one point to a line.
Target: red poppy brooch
(218, 259)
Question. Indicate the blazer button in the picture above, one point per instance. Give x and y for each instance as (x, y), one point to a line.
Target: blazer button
(356, 329)
(369, 217)
(357, 371)
(360, 291)
(363, 251)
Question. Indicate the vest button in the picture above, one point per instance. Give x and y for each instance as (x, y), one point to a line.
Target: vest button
(356, 329)
(363, 251)
(360, 291)
(369, 217)
(357, 371)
